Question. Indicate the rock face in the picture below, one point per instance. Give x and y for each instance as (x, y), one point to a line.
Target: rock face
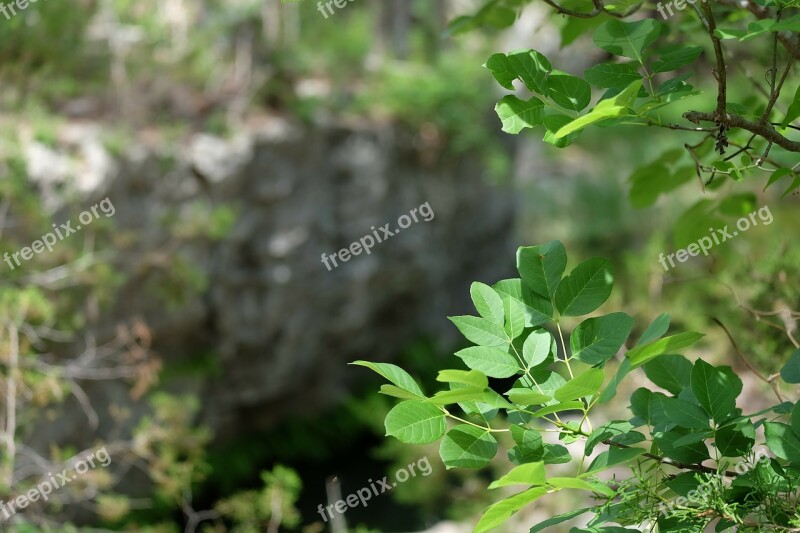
(283, 325)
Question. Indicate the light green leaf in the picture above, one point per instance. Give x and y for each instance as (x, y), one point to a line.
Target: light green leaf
(613, 457)
(472, 378)
(568, 91)
(516, 114)
(644, 353)
(655, 330)
(532, 68)
(501, 511)
(466, 446)
(515, 323)
(628, 39)
(671, 372)
(487, 302)
(536, 348)
(794, 110)
(414, 422)
(782, 441)
(480, 331)
(501, 69)
(554, 521)
(613, 75)
(537, 309)
(526, 474)
(605, 432)
(397, 392)
(492, 361)
(611, 389)
(586, 384)
(715, 389)
(466, 394)
(541, 267)
(580, 484)
(677, 59)
(395, 374)
(557, 408)
(596, 340)
(528, 397)
(585, 288)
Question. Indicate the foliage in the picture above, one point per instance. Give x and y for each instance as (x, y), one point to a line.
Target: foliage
(666, 444)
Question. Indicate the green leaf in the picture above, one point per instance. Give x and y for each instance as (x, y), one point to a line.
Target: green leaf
(528, 397)
(466, 446)
(529, 444)
(715, 389)
(492, 361)
(586, 384)
(397, 392)
(414, 422)
(585, 289)
(642, 354)
(677, 59)
(782, 441)
(627, 39)
(501, 511)
(487, 302)
(611, 389)
(465, 394)
(790, 373)
(671, 372)
(471, 378)
(596, 340)
(554, 521)
(526, 474)
(568, 91)
(540, 267)
(501, 69)
(577, 483)
(682, 413)
(554, 122)
(515, 323)
(557, 408)
(655, 330)
(516, 114)
(532, 68)
(794, 110)
(536, 348)
(605, 432)
(395, 374)
(613, 75)
(617, 106)
(613, 457)
(480, 331)
(691, 453)
(796, 419)
(732, 442)
(537, 309)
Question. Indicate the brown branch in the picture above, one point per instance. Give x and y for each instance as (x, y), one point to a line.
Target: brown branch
(735, 121)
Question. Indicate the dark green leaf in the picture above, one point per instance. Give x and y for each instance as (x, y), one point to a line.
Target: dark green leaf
(596, 340)
(585, 288)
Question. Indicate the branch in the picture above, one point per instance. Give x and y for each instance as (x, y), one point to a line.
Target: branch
(735, 121)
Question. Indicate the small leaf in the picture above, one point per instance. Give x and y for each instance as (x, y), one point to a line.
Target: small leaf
(526, 474)
(569, 91)
(516, 114)
(605, 432)
(586, 384)
(612, 75)
(541, 267)
(480, 331)
(528, 397)
(395, 374)
(782, 441)
(613, 457)
(537, 309)
(465, 394)
(397, 392)
(501, 511)
(414, 422)
(467, 447)
(627, 39)
(791, 370)
(487, 302)
(472, 378)
(532, 68)
(489, 360)
(515, 323)
(671, 372)
(655, 330)
(716, 389)
(555, 520)
(794, 110)
(596, 340)
(536, 348)
(557, 408)
(585, 289)
(677, 59)
(501, 69)
(642, 354)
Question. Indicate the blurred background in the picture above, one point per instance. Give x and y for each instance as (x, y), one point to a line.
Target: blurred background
(197, 334)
